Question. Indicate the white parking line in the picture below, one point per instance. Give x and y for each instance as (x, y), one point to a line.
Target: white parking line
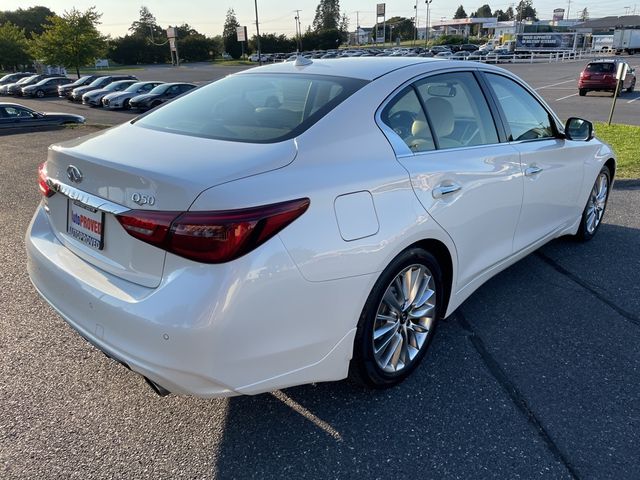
(553, 85)
(633, 100)
(562, 98)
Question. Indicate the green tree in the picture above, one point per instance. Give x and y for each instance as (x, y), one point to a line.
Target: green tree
(229, 39)
(272, 43)
(146, 26)
(72, 40)
(504, 16)
(484, 12)
(14, 49)
(327, 15)
(323, 39)
(32, 20)
(460, 13)
(526, 11)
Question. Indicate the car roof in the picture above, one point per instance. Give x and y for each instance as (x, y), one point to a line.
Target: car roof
(365, 68)
(11, 104)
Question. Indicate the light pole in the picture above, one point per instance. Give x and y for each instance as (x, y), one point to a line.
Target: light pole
(426, 31)
(415, 25)
(258, 33)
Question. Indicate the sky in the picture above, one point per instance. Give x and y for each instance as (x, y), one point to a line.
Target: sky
(277, 16)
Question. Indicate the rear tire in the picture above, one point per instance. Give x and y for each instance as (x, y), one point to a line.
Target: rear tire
(582, 92)
(593, 212)
(630, 89)
(398, 321)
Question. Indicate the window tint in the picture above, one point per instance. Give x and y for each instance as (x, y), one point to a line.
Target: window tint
(603, 67)
(254, 108)
(404, 115)
(14, 112)
(526, 118)
(457, 110)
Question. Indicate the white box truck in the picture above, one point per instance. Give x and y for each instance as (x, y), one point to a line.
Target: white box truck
(626, 40)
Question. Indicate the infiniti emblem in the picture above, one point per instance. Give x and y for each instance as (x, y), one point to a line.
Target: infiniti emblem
(74, 174)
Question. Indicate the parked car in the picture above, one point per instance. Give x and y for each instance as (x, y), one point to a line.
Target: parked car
(600, 75)
(15, 116)
(469, 47)
(498, 55)
(461, 55)
(478, 55)
(64, 91)
(94, 97)
(444, 54)
(122, 99)
(4, 89)
(439, 48)
(159, 95)
(243, 247)
(14, 77)
(46, 87)
(98, 83)
(16, 88)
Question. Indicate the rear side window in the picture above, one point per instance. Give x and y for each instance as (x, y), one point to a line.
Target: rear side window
(405, 116)
(254, 108)
(603, 67)
(457, 110)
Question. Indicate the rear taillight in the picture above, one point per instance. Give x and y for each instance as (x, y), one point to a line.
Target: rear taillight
(43, 184)
(212, 237)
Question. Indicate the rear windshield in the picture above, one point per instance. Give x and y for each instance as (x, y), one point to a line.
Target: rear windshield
(255, 108)
(601, 67)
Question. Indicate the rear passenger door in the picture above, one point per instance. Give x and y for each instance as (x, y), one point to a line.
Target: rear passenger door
(468, 181)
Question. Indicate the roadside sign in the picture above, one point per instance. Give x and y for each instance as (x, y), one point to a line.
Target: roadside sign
(241, 32)
(172, 32)
(380, 8)
(621, 74)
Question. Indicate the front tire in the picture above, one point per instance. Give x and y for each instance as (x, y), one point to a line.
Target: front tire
(631, 87)
(398, 320)
(40, 94)
(596, 205)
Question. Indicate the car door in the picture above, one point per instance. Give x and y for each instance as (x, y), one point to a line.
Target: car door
(21, 117)
(445, 135)
(553, 167)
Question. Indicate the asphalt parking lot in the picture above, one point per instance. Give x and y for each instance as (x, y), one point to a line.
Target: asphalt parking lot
(556, 82)
(537, 375)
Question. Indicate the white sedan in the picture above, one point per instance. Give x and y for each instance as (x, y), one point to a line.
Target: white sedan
(308, 220)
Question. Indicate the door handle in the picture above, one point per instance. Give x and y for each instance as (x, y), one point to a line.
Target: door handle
(442, 190)
(532, 170)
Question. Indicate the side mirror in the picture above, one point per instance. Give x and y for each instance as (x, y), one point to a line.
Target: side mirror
(578, 129)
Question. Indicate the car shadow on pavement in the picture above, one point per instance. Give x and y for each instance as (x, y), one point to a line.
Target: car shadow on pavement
(450, 418)
(455, 417)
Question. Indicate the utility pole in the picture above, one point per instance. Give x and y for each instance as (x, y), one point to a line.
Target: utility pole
(358, 27)
(426, 33)
(298, 30)
(258, 33)
(568, 8)
(415, 25)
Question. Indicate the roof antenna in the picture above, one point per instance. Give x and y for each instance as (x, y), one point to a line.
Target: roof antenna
(302, 61)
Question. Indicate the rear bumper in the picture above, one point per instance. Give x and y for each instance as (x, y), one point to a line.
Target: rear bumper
(246, 327)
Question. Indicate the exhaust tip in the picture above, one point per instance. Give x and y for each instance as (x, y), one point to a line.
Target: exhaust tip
(160, 391)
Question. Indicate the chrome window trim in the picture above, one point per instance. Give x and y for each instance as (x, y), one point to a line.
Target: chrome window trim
(86, 198)
(397, 144)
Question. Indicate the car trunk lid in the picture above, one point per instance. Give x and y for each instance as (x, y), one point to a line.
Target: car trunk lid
(134, 167)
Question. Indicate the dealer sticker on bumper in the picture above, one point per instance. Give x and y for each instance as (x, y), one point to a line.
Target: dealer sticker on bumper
(86, 224)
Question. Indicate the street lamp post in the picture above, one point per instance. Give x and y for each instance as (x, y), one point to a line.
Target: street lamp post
(426, 31)
(258, 33)
(415, 26)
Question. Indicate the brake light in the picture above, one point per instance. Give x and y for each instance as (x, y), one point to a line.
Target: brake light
(43, 185)
(212, 237)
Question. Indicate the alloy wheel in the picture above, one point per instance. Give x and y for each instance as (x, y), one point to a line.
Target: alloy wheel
(404, 318)
(597, 202)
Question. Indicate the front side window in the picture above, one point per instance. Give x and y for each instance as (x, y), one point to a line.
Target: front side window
(526, 118)
(405, 116)
(254, 108)
(457, 110)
